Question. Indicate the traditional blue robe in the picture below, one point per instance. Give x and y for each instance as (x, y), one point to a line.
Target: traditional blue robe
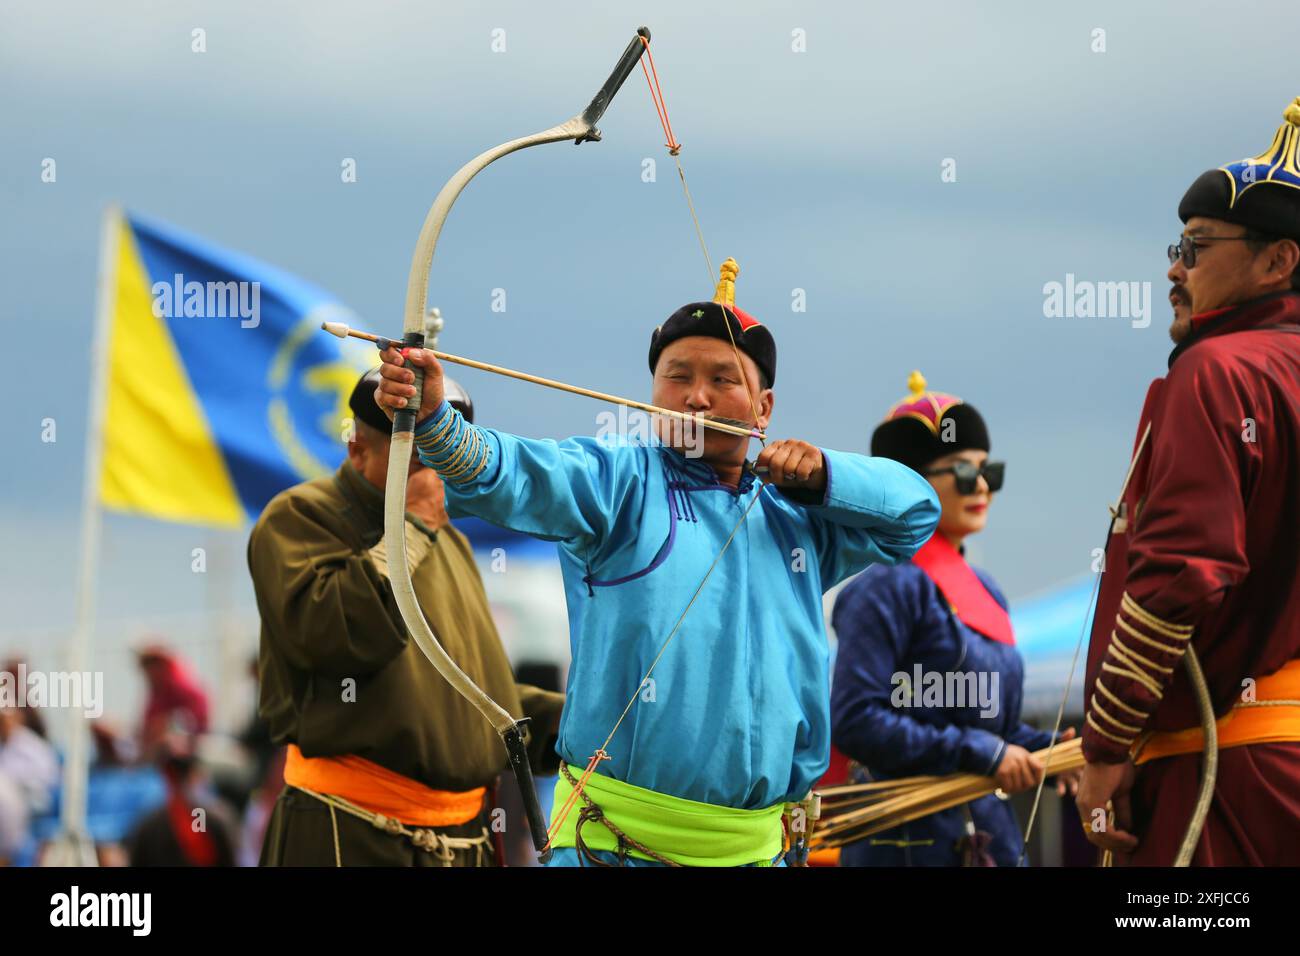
(889, 621)
(737, 710)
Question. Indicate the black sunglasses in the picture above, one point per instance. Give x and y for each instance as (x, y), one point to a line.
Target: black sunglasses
(968, 474)
(1185, 247)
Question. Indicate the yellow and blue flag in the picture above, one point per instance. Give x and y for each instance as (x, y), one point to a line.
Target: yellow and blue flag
(221, 389)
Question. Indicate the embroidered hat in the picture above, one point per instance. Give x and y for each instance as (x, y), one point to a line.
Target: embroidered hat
(925, 425)
(712, 319)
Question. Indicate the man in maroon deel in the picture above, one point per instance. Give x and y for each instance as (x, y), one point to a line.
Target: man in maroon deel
(1204, 550)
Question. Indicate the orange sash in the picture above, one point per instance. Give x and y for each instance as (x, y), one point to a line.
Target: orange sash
(380, 790)
(1254, 722)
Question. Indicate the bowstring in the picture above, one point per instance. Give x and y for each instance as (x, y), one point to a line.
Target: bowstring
(674, 150)
(1096, 589)
(1060, 715)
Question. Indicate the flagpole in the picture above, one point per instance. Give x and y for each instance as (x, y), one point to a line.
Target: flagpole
(226, 638)
(73, 846)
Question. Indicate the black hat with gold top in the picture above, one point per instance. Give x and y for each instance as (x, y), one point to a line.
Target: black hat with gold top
(1262, 192)
(713, 319)
(925, 425)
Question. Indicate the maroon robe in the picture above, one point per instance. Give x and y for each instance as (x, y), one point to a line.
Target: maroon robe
(1206, 549)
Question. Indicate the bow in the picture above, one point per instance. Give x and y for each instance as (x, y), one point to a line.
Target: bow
(580, 129)
(1204, 706)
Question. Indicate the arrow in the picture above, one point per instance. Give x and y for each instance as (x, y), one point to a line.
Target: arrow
(729, 425)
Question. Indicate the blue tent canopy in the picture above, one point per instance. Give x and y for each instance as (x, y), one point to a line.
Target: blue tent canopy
(1048, 625)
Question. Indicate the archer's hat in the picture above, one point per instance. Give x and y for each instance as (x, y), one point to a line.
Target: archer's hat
(364, 408)
(713, 319)
(925, 425)
(1260, 193)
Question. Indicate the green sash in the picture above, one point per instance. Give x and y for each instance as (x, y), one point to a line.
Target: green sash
(684, 831)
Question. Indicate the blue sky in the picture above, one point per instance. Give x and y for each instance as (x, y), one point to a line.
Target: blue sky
(817, 170)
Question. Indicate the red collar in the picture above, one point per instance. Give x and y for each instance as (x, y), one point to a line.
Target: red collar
(965, 592)
(1276, 308)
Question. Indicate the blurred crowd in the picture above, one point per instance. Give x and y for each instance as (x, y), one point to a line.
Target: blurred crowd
(167, 792)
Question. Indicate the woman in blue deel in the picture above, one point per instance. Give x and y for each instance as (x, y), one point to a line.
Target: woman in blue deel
(927, 675)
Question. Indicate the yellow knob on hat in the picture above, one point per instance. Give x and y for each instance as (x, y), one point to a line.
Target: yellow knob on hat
(726, 293)
(1292, 112)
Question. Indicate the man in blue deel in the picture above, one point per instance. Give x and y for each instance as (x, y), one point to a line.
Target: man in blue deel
(698, 696)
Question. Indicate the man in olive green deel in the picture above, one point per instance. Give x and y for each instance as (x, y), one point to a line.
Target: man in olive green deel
(386, 763)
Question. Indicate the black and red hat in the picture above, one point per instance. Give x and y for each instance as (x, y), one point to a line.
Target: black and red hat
(714, 319)
(1262, 192)
(925, 426)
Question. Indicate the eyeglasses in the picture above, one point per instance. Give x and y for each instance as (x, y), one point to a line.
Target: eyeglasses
(968, 474)
(1185, 248)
